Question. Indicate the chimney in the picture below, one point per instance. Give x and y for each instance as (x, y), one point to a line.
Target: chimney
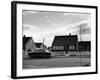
(69, 34)
(24, 36)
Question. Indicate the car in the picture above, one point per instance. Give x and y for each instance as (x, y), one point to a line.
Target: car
(40, 53)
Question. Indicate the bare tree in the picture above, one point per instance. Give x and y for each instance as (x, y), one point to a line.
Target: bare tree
(82, 30)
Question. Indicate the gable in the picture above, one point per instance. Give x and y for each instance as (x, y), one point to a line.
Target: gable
(30, 44)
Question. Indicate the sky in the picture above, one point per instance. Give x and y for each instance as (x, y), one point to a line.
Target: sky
(47, 24)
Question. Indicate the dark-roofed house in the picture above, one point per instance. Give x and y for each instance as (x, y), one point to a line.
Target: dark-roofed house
(84, 45)
(62, 44)
(28, 44)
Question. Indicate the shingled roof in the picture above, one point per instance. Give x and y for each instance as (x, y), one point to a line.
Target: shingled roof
(65, 40)
(84, 43)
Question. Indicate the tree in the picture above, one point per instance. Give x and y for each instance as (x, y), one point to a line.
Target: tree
(82, 30)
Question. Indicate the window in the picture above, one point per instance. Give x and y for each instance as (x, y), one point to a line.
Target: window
(55, 47)
(71, 47)
(61, 47)
(58, 47)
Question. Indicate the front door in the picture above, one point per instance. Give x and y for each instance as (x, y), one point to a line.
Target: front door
(66, 49)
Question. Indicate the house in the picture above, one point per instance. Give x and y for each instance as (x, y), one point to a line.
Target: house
(50, 49)
(28, 44)
(40, 46)
(84, 45)
(62, 44)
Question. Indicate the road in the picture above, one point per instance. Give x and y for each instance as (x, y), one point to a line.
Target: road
(29, 63)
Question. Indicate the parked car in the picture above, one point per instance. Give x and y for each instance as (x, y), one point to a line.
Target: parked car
(40, 53)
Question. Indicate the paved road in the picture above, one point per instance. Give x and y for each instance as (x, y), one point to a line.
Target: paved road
(29, 63)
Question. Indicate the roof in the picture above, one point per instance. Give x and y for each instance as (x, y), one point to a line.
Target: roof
(25, 40)
(65, 40)
(84, 42)
(38, 45)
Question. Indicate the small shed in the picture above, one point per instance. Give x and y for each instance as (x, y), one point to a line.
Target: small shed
(84, 45)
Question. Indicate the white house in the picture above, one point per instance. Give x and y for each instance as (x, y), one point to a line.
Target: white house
(30, 45)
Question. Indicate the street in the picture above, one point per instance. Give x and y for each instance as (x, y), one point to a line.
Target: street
(29, 63)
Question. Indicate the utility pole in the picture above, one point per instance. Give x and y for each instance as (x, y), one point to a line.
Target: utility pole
(80, 41)
(81, 33)
(43, 43)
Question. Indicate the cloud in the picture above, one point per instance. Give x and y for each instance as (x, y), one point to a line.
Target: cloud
(30, 30)
(73, 28)
(83, 27)
(31, 27)
(87, 30)
(26, 12)
(25, 28)
(39, 24)
(65, 30)
(68, 14)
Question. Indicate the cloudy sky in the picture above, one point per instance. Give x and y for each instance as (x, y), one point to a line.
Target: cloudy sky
(42, 24)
